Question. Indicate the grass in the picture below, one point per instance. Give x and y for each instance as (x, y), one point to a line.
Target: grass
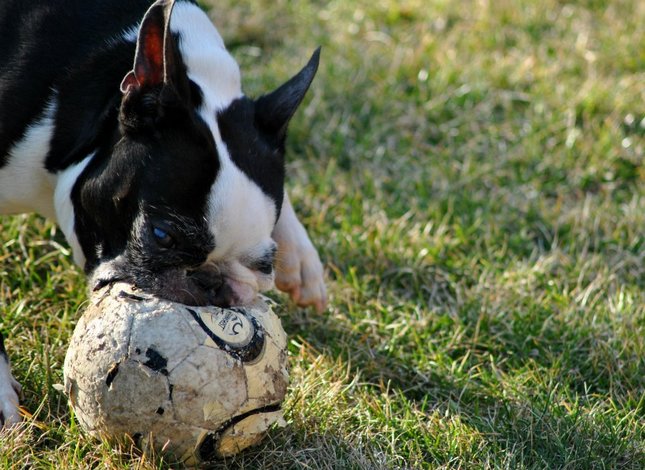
(472, 173)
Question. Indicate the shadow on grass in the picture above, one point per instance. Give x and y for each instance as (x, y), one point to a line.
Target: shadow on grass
(531, 403)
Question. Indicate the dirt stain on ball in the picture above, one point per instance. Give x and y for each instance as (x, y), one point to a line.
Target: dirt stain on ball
(156, 361)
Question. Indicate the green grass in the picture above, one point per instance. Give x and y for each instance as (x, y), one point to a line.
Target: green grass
(472, 173)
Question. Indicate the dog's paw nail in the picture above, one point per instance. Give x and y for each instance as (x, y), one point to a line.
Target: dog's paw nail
(294, 293)
(288, 280)
(321, 305)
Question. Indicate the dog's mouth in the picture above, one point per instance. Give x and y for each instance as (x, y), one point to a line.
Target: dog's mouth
(195, 287)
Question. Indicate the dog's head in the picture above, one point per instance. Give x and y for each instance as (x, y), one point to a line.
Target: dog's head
(182, 198)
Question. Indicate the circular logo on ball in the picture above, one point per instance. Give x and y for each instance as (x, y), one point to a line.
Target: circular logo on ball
(231, 326)
(233, 330)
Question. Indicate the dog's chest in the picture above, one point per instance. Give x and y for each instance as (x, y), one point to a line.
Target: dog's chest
(25, 184)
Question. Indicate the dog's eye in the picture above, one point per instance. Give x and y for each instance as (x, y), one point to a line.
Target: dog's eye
(163, 238)
(264, 266)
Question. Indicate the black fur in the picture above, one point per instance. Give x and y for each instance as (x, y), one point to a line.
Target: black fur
(3, 351)
(41, 42)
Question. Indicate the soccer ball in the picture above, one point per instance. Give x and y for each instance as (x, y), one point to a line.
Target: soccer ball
(200, 382)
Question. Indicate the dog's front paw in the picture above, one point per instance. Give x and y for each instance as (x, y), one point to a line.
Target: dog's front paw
(9, 397)
(299, 271)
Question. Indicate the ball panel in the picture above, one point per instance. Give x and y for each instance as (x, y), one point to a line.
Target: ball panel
(161, 338)
(136, 392)
(101, 347)
(213, 397)
(268, 378)
(179, 440)
(247, 432)
(83, 403)
(266, 386)
(270, 322)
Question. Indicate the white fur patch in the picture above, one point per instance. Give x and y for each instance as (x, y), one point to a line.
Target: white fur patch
(241, 216)
(208, 62)
(8, 395)
(65, 209)
(25, 184)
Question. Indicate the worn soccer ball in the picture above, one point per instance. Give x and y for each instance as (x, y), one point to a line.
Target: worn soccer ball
(199, 382)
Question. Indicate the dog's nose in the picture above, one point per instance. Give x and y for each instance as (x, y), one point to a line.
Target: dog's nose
(214, 286)
(207, 279)
(223, 297)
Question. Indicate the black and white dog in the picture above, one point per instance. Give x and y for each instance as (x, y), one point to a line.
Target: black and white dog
(126, 123)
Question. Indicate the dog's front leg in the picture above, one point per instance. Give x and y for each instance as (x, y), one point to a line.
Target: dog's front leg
(299, 271)
(9, 390)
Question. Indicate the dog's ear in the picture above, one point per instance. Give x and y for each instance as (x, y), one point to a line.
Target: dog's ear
(273, 111)
(156, 60)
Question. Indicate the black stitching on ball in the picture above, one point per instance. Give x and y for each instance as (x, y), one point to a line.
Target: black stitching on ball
(207, 448)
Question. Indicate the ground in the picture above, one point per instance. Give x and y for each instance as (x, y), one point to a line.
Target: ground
(472, 173)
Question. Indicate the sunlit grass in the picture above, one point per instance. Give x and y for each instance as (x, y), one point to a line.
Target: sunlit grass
(472, 173)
